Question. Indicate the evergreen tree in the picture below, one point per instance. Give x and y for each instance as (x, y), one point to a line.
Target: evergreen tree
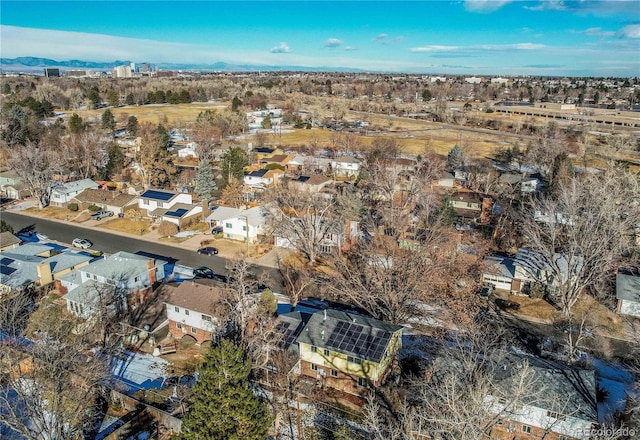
(223, 407)
(94, 97)
(5, 227)
(205, 181)
(76, 125)
(448, 215)
(163, 135)
(113, 98)
(129, 99)
(108, 120)
(455, 158)
(233, 162)
(132, 125)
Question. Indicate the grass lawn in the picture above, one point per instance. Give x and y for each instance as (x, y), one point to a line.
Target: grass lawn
(53, 212)
(138, 227)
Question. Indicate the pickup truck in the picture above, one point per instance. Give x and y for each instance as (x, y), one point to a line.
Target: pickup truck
(99, 215)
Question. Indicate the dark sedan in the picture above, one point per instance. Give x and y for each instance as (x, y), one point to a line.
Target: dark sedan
(209, 250)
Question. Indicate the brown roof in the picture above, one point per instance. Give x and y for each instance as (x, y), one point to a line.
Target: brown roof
(317, 179)
(113, 198)
(8, 239)
(204, 296)
(467, 197)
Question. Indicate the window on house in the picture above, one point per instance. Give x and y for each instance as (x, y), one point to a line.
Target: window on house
(228, 225)
(314, 349)
(206, 318)
(244, 228)
(194, 330)
(555, 415)
(95, 277)
(469, 205)
(186, 312)
(334, 373)
(326, 352)
(325, 249)
(354, 360)
(314, 367)
(177, 309)
(178, 325)
(362, 382)
(526, 429)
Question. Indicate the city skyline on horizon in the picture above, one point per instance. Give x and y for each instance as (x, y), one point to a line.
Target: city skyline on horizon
(538, 38)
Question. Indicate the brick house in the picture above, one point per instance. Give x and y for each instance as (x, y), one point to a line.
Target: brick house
(192, 309)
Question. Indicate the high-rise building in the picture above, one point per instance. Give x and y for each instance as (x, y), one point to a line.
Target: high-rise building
(122, 72)
(51, 72)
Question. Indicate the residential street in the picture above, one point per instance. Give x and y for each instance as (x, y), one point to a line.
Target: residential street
(111, 242)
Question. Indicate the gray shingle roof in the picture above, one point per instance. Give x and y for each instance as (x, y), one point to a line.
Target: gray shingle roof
(118, 264)
(628, 287)
(350, 334)
(8, 239)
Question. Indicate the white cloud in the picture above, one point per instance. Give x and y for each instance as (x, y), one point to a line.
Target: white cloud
(332, 42)
(350, 48)
(380, 37)
(630, 31)
(598, 32)
(280, 48)
(434, 48)
(484, 5)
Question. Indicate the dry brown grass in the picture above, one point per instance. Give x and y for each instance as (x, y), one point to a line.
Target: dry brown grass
(138, 227)
(52, 212)
(598, 317)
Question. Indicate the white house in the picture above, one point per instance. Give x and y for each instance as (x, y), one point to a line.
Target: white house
(255, 119)
(628, 294)
(239, 224)
(62, 193)
(179, 214)
(188, 151)
(346, 166)
(122, 274)
(262, 177)
(152, 199)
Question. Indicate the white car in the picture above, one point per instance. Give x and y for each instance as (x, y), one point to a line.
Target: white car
(81, 243)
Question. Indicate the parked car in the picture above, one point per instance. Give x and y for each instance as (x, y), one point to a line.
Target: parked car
(99, 215)
(81, 243)
(203, 272)
(209, 250)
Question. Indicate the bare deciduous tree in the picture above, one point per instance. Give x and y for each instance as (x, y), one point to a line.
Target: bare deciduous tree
(35, 165)
(583, 233)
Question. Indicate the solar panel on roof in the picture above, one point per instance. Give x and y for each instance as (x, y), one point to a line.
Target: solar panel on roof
(177, 213)
(5, 261)
(158, 195)
(6, 270)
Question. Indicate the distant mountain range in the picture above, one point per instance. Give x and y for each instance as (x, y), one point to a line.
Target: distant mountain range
(34, 64)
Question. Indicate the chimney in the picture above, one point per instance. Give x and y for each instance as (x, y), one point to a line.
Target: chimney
(205, 209)
(44, 273)
(152, 271)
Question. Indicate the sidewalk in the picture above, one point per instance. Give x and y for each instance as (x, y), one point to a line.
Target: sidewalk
(227, 248)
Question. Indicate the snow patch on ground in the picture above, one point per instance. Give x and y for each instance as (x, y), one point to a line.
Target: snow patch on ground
(617, 381)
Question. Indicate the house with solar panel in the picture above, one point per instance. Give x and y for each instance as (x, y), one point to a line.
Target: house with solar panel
(344, 351)
(37, 264)
(176, 208)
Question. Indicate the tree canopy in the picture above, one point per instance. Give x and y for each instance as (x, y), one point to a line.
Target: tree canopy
(223, 407)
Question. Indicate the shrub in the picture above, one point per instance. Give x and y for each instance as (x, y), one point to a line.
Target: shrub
(94, 208)
(167, 228)
(72, 207)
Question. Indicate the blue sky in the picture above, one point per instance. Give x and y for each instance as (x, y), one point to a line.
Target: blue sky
(474, 37)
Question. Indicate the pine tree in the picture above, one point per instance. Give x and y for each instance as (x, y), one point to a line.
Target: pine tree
(455, 158)
(223, 407)
(108, 120)
(205, 181)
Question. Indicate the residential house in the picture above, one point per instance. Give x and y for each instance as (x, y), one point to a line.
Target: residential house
(628, 294)
(12, 186)
(562, 405)
(62, 193)
(255, 119)
(339, 237)
(189, 151)
(193, 308)
(527, 268)
(278, 159)
(314, 183)
(114, 201)
(472, 206)
(131, 277)
(345, 167)
(152, 199)
(8, 241)
(523, 183)
(37, 264)
(239, 224)
(344, 351)
(262, 177)
(180, 214)
(266, 152)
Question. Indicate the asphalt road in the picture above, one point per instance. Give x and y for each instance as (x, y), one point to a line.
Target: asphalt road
(112, 242)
